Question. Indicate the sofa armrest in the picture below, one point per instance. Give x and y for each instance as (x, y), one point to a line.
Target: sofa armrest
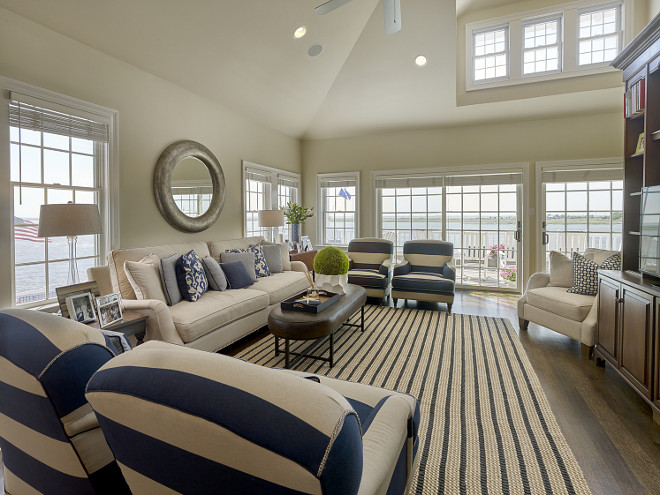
(401, 268)
(538, 280)
(449, 271)
(590, 326)
(159, 322)
(385, 267)
(298, 266)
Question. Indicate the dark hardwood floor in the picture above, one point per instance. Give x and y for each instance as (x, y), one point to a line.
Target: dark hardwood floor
(608, 426)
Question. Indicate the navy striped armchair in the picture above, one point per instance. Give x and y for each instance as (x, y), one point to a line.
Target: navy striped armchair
(370, 265)
(49, 436)
(189, 421)
(426, 274)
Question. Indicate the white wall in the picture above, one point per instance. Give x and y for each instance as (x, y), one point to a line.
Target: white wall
(580, 137)
(152, 114)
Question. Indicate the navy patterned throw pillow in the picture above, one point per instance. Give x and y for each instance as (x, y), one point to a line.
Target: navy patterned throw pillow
(191, 277)
(585, 276)
(612, 263)
(260, 265)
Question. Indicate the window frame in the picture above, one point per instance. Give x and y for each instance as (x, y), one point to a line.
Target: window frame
(273, 196)
(320, 207)
(620, 32)
(569, 53)
(506, 52)
(108, 184)
(560, 43)
(595, 165)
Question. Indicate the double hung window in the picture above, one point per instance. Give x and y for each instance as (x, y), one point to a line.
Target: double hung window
(57, 155)
(266, 188)
(338, 208)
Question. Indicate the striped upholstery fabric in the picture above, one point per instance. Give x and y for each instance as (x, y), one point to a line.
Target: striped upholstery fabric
(49, 436)
(370, 264)
(189, 421)
(427, 273)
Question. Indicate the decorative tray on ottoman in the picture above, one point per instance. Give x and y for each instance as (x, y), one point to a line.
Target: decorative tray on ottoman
(310, 304)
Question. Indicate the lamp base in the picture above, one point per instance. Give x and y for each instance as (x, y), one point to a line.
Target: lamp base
(73, 277)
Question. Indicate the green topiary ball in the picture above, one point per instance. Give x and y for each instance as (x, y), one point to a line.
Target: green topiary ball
(331, 261)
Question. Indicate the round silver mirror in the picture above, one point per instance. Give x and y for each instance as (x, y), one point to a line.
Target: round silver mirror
(189, 186)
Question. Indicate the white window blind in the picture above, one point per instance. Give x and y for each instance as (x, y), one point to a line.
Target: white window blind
(582, 175)
(484, 179)
(412, 181)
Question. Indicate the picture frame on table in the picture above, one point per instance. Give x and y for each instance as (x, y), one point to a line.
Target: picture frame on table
(71, 290)
(81, 307)
(306, 243)
(108, 308)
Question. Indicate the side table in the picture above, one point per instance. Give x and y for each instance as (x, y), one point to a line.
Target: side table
(306, 257)
(132, 324)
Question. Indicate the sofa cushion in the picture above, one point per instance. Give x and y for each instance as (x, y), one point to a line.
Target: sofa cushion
(367, 278)
(561, 270)
(168, 278)
(598, 255)
(428, 282)
(237, 275)
(191, 277)
(561, 302)
(585, 276)
(245, 257)
(280, 286)
(216, 248)
(144, 277)
(214, 274)
(215, 309)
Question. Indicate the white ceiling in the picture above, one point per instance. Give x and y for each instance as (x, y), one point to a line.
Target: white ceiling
(242, 54)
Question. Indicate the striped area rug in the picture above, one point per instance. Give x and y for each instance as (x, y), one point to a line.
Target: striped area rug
(486, 425)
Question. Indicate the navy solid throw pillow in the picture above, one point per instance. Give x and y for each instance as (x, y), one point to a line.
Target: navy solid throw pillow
(237, 275)
(191, 277)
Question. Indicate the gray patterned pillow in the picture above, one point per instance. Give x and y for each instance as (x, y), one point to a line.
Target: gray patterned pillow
(585, 276)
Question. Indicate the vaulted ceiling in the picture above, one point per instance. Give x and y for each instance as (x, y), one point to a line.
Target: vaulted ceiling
(242, 54)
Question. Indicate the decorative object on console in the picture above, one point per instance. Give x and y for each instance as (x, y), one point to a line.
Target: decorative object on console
(296, 215)
(162, 184)
(331, 268)
(70, 220)
(272, 219)
(81, 308)
(191, 277)
(109, 310)
(71, 290)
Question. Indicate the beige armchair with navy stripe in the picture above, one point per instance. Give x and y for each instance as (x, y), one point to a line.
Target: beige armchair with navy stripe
(426, 274)
(50, 439)
(371, 259)
(180, 420)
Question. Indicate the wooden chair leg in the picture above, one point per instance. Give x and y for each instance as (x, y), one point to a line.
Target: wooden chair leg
(587, 351)
(449, 308)
(523, 323)
(396, 300)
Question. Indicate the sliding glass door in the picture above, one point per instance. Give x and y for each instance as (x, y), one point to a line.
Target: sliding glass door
(479, 214)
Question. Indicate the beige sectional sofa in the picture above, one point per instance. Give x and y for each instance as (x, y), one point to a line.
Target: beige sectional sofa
(218, 318)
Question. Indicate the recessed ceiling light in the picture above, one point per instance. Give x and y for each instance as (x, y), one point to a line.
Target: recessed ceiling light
(420, 60)
(300, 32)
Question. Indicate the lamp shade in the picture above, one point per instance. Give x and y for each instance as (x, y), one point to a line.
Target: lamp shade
(271, 218)
(69, 220)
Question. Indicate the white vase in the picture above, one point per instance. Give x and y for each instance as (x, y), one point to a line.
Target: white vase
(332, 283)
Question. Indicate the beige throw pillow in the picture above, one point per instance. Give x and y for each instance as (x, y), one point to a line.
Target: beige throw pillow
(561, 270)
(598, 255)
(144, 277)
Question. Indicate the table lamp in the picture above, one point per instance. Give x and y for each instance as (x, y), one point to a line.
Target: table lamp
(272, 219)
(70, 220)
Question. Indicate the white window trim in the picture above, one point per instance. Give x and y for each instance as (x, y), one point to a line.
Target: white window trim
(517, 167)
(274, 173)
(507, 52)
(548, 166)
(320, 207)
(109, 204)
(569, 43)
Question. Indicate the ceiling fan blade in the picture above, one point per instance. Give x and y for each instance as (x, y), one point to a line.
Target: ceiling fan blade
(326, 7)
(392, 16)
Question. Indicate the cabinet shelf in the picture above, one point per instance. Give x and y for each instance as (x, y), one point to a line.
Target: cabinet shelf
(636, 193)
(655, 136)
(637, 155)
(636, 115)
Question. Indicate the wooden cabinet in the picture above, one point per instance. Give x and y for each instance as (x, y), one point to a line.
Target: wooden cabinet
(636, 331)
(608, 319)
(628, 330)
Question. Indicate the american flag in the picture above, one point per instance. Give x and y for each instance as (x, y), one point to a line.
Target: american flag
(26, 231)
(344, 194)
